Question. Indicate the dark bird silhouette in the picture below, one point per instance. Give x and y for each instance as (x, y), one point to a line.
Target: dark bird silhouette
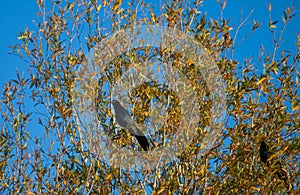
(263, 152)
(124, 120)
(264, 155)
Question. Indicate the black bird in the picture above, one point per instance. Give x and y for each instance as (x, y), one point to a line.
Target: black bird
(264, 155)
(124, 120)
(263, 152)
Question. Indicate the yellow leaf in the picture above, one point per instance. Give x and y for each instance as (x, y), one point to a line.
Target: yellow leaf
(22, 37)
(96, 177)
(261, 81)
(116, 6)
(39, 2)
(98, 8)
(166, 15)
(255, 188)
(119, 11)
(71, 5)
(294, 108)
(153, 17)
(161, 191)
(41, 49)
(133, 16)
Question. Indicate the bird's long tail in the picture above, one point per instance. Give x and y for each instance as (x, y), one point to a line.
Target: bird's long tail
(143, 142)
(139, 135)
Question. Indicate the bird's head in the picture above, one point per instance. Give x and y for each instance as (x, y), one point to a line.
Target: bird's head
(116, 103)
(263, 144)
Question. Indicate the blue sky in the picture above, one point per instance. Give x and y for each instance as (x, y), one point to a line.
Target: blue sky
(237, 11)
(15, 15)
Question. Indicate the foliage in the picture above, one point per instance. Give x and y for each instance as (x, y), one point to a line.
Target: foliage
(261, 106)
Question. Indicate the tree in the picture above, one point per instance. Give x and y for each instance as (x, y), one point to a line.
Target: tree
(260, 106)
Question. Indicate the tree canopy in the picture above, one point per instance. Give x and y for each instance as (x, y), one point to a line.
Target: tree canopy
(262, 104)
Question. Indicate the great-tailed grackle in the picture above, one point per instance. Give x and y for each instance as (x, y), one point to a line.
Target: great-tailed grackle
(124, 120)
(263, 152)
(264, 155)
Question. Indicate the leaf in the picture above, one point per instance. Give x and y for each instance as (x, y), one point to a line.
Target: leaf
(256, 25)
(153, 17)
(70, 6)
(117, 4)
(261, 80)
(98, 8)
(22, 37)
(275, 22)
(255, 188)
(272, 24)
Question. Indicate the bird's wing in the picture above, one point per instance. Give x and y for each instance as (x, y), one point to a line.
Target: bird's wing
(132, 128)
(124, 119)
